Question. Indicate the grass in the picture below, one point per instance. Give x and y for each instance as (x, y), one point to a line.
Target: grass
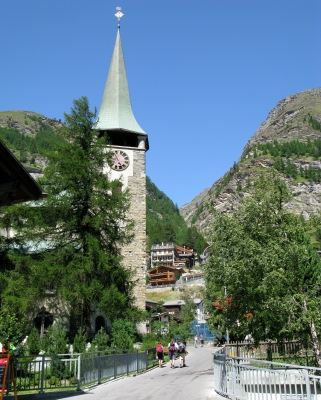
(166, 295)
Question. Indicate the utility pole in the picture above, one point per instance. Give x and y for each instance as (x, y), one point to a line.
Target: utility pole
(227, 334)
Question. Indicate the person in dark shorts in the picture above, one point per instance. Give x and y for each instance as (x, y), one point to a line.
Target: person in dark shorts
(160, 354)
(172, 349)
(202, 339)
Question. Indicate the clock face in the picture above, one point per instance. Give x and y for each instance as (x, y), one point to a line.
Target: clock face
(119, 160)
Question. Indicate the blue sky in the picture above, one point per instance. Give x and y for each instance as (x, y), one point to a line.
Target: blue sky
(203, 74)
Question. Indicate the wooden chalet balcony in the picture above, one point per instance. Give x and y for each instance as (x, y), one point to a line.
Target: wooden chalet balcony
(162, 278)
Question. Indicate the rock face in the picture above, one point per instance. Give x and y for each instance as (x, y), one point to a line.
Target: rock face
(27, 122)
(288, 121)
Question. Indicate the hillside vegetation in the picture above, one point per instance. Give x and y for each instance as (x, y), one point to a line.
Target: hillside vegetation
(165, 224)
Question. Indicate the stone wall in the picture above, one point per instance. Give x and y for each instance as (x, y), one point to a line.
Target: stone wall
(135, 253)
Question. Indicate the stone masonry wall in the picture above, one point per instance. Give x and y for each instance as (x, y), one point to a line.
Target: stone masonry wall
(135, 253)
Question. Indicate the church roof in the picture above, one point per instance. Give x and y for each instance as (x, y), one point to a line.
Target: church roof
(115, 110)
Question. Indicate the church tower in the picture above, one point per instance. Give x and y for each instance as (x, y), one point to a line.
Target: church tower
(129, 144)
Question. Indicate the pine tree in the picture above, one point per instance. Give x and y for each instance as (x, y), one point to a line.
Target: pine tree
(74, 236)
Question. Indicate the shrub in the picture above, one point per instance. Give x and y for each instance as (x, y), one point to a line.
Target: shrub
(33, 342)
(79, 345)
(55, 340)
(101, 340)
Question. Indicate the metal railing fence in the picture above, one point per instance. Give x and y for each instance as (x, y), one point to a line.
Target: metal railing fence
(52, 371)
(250, 379)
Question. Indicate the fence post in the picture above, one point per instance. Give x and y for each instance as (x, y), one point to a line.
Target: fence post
(307, 384)
(127, 359)
(137, 360)
(99, 369)
(79, 372)
(147, 359)
(115, 368)
(42, 373)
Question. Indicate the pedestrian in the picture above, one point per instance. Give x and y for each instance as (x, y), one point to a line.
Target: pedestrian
(195, 340)
(172, 349)
(202, 339)
(160, 354)
(182, 353)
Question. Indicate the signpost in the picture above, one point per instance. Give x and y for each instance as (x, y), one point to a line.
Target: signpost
(7, 375)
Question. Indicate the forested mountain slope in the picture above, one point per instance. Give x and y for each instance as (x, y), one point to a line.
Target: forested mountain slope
(30, 135)
(165, 224)
(289, 141)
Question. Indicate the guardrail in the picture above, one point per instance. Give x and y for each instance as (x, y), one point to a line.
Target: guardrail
(52, 371)
(244, 378)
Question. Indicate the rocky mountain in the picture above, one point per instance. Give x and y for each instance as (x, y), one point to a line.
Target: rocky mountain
(289, 140)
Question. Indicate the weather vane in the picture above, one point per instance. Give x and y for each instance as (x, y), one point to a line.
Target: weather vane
(118, 14)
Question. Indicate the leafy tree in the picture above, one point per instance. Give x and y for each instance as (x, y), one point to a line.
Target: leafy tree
(264, 260)
(72, 239)
(12, 329)
(187, 316)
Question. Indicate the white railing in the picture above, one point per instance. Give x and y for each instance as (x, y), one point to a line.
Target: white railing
(250, 379)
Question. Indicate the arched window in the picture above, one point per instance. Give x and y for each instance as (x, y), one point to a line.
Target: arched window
(100, 323)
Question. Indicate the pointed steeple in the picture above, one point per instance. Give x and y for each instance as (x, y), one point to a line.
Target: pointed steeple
(115, 110)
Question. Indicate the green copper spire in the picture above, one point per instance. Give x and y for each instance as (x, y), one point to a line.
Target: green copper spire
(115, 109)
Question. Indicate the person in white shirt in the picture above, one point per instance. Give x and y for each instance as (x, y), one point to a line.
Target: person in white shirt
(172, 350)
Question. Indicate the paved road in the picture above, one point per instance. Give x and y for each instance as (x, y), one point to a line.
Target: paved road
(193, 382)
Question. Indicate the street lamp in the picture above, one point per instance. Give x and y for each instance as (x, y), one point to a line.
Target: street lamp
(197, 326)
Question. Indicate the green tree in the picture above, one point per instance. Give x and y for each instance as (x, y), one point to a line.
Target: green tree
(12, 329)
(33, 342)
(74, 236)
(79, 345)
(188, 312)
(264, 274)
(123, 334)
(55, 340)
(101, 340)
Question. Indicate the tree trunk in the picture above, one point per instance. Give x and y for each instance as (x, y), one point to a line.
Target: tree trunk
(314, 337)
(86, 323)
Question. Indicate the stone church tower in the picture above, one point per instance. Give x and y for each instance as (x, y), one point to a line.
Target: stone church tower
(129, 144)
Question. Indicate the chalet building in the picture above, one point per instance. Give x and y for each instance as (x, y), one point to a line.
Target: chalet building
(186, 257)
(173, 309)
(165, 275)
(168, 254)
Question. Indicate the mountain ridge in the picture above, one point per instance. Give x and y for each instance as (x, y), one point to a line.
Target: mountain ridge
(294, 121)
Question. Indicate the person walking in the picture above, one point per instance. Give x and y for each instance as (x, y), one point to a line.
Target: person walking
(172, 349)
(160, 354)
(195, 340)
(202, 339)
(182, 353)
